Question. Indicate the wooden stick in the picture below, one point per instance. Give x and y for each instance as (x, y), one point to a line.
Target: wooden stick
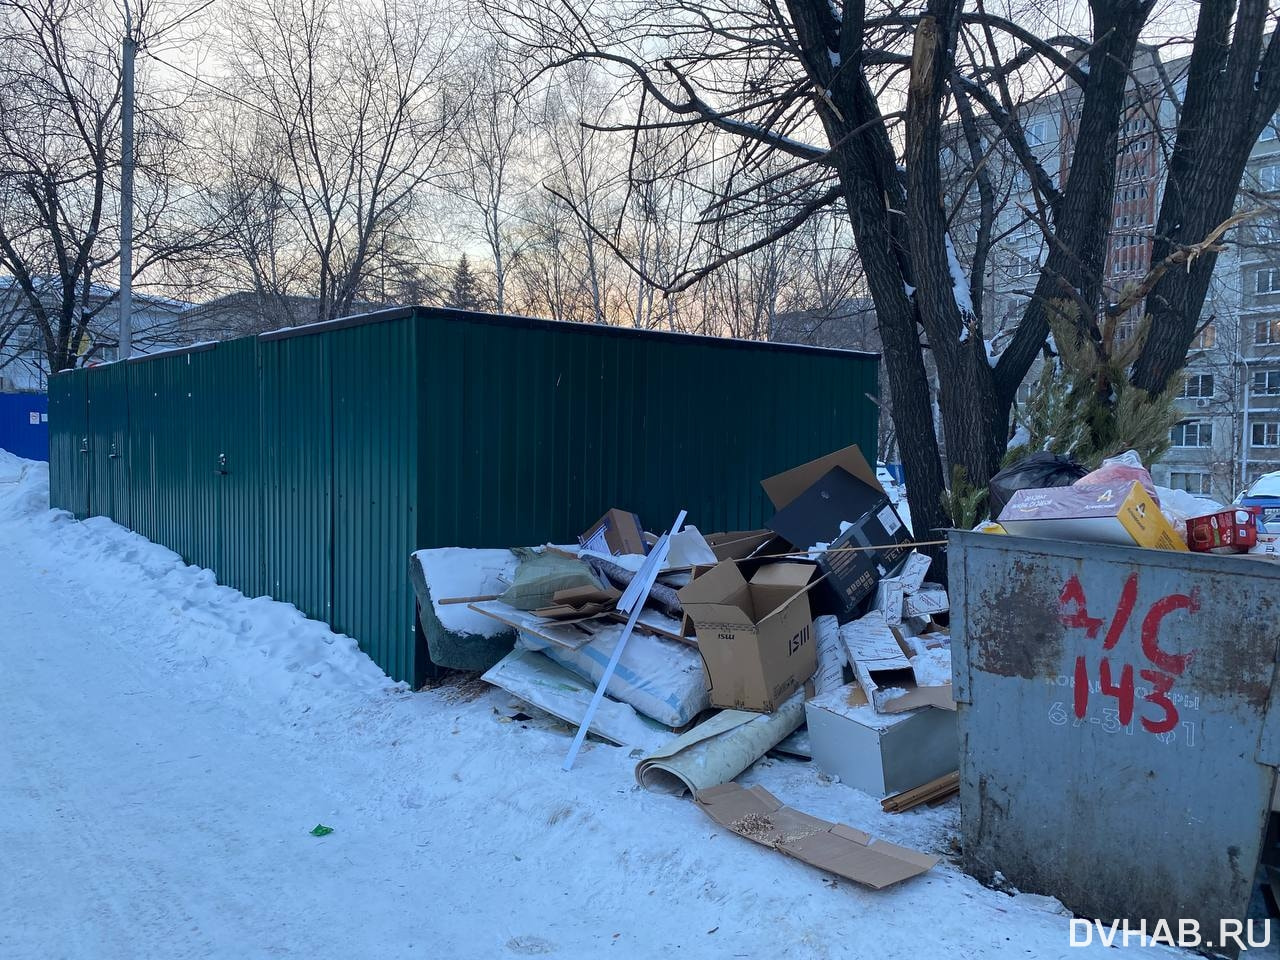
(479, 599)
(883, 546)
(925, 793)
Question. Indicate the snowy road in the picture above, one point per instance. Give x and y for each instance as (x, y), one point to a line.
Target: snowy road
(168, 744)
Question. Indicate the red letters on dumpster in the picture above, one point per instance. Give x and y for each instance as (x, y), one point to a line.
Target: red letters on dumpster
(1162, 716)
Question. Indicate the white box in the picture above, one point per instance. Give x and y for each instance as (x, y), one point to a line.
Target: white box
(880, 753)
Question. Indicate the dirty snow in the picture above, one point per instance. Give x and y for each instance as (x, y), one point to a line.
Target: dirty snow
(169, 744)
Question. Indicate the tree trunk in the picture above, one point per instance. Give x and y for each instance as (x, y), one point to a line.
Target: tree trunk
(1209, 157)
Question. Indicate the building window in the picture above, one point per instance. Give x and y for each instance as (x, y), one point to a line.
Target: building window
(1266, 434)
(1206, 338)
(1266, 331)
(1192, 482)
(1191, 433)
(1267, 280)
(1267, 231)
(1270, 132)
(1037, 133)
(1198, 385)
(1269, 177)
(1266, 383)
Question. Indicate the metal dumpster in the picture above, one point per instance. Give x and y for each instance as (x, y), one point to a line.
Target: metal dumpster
(1118, 724)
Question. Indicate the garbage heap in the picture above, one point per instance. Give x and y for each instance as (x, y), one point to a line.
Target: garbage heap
(823, 635)
(825, 619)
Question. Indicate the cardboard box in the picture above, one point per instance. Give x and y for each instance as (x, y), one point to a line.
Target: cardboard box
(845, 512)
(616, 533)
(925, 602)
(880, 753)
(759, 816)
(890, 594)
(1229, 531)
(756, 639)
(1119, 513)
(881, 661)
(913, 571)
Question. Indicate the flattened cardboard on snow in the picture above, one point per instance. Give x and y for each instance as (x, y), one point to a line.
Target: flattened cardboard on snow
(842, 510)
(879, 753)
(1119, 513)
(756, 814)
(756, 639)
(617, 532)
(881, 662)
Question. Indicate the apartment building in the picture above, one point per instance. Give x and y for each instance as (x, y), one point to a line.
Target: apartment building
(1229, 433)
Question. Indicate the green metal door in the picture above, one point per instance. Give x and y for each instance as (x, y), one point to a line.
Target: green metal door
(297, 472)
(107, 410)
(239, 457)
(375, 482)
(69, 443)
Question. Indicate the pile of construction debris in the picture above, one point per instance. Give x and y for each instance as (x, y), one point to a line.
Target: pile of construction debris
(703, 653)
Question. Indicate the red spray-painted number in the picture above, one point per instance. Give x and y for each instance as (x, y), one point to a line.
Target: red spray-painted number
(1074, 613)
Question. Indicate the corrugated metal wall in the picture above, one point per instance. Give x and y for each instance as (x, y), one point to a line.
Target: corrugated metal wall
(307, 464)
(531, 435)
(297, 462)
(69, 468)
(24, 424)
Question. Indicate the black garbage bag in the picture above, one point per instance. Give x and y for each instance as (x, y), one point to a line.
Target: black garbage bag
(1033, 472)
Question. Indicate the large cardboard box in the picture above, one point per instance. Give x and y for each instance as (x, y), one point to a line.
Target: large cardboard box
(756, 639)
(1119, 513)
(881, 657)
(837, 500)
(880, 753)
(617, 532)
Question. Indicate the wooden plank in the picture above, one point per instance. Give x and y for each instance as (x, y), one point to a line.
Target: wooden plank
(929, 792)
(570, 634)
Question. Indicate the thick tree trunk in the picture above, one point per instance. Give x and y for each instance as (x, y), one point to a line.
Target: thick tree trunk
(1208, 161)
(966, 384)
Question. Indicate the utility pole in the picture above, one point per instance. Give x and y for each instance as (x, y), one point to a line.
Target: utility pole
(128, 51)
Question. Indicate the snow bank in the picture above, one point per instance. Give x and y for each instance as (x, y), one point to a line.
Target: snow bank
(277, 652)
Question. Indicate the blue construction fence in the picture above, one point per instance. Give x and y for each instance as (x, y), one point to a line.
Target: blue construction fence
(24, 424)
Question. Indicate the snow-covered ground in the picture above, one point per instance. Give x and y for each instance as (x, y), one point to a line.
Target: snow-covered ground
(168, 745)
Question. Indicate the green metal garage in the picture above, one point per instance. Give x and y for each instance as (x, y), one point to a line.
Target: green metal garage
(307, 464)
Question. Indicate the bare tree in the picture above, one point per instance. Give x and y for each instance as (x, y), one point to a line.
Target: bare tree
(60, 111)
(856, 98)
(493, 133)
(351, 125)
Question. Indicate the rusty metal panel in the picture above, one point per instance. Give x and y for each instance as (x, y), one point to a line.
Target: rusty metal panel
(1116, 712)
